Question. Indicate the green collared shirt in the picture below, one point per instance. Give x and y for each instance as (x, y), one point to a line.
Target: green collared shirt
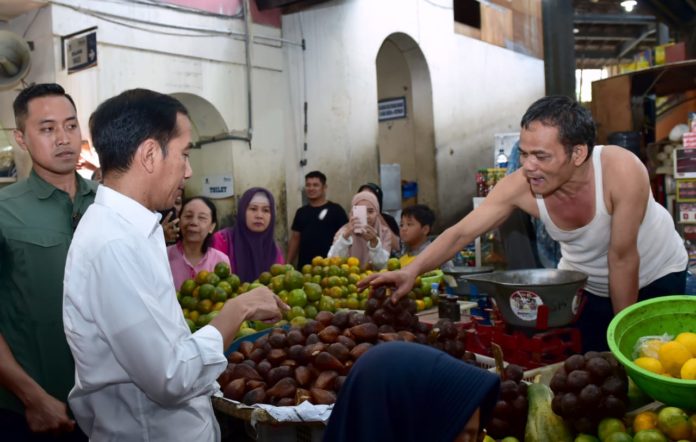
(37, 221)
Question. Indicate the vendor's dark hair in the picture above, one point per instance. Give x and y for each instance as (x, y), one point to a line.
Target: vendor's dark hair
(213, 217)
(573, 121)
(121, 123)
(21, 103)
(316, 174)
(421, 213)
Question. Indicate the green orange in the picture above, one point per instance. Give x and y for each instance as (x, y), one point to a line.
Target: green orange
(222, 270)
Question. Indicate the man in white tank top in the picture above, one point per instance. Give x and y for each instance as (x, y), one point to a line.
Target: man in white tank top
(596, 201)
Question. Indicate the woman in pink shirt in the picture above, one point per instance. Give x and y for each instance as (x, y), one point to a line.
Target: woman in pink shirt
(192, 253)
(250, 244)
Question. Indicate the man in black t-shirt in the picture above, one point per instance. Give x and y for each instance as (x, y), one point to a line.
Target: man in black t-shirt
(315, 224)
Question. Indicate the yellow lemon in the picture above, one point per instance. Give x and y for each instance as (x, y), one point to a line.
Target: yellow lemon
(688, 370)
(650, 364)
(688, 340)
(672, 355)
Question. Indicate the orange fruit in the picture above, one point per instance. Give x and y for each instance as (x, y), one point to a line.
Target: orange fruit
(652, 435)
(212, 278)
(608, 426)
(234, 281)
(672, 356)
(202, 277)
(278, 269)
(293, 280)
(206, 291)
(674, 422)
(205, 306)
(187, 287)
(420, 305)
(265, 278)
(353, 262)
(222, 270)
(646, 420)
(297, 297)
(317, 261)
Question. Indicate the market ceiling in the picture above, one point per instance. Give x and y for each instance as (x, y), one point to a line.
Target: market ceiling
(607, 34)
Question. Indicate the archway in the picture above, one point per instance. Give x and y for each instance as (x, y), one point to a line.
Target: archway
(213, 158)
(408, 138)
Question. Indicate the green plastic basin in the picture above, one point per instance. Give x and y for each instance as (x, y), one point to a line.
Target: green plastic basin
(666, 314)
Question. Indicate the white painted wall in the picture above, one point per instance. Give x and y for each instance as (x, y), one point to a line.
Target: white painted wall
(210, 67)
(478, 90)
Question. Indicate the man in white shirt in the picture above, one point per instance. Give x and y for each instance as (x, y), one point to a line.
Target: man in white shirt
(140, 373)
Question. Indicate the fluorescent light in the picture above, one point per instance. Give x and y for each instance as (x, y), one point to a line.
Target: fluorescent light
(628, 5)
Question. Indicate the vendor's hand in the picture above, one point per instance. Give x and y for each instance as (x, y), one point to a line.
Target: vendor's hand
(261, 304)
(170, 227)
(402, 279)
(46, 414)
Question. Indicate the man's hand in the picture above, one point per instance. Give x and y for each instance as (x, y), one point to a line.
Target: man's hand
(170, 227)
(47, 414)
(402, 279)
(261, 304)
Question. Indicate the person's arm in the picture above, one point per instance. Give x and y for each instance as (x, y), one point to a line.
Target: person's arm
(43, 412)
(627, 182)
(293, 246)
(340, 245)
(259, 304)
(378, 255)
(508, 194)
(168, 363)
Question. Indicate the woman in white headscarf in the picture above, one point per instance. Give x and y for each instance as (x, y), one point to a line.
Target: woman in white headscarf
(371, 242)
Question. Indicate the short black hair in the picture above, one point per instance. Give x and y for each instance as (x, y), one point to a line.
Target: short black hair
(574, 122)
(421, 213)
(213, 216)
(316, 174)
(121, 123)
(21, 103)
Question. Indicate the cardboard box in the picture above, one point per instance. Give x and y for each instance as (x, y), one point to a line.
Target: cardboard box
(676, 52)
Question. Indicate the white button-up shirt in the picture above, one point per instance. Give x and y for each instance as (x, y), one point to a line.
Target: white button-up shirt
(140, 375)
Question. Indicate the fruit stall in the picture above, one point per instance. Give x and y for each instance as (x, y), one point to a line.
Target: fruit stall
(282, 380)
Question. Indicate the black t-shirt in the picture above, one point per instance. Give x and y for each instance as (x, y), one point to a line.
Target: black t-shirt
(317, 227)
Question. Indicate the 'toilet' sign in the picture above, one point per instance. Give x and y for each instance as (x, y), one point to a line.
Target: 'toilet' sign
(218, 186)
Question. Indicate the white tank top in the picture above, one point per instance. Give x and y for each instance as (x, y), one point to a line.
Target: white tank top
(660, 247)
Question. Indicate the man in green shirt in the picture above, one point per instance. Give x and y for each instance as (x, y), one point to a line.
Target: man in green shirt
(37, 218)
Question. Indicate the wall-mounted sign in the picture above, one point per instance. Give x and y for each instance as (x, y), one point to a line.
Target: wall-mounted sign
(82, 52)
(392, 108)
(218, 186)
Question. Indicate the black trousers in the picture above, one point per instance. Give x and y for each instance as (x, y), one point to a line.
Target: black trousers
(598, 313)
(14, 428)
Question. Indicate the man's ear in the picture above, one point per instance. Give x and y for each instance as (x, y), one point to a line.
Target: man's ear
(147, 154)
(579, 155)
(19, 138)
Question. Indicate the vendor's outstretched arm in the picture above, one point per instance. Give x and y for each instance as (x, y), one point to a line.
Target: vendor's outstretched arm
(495, 209)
